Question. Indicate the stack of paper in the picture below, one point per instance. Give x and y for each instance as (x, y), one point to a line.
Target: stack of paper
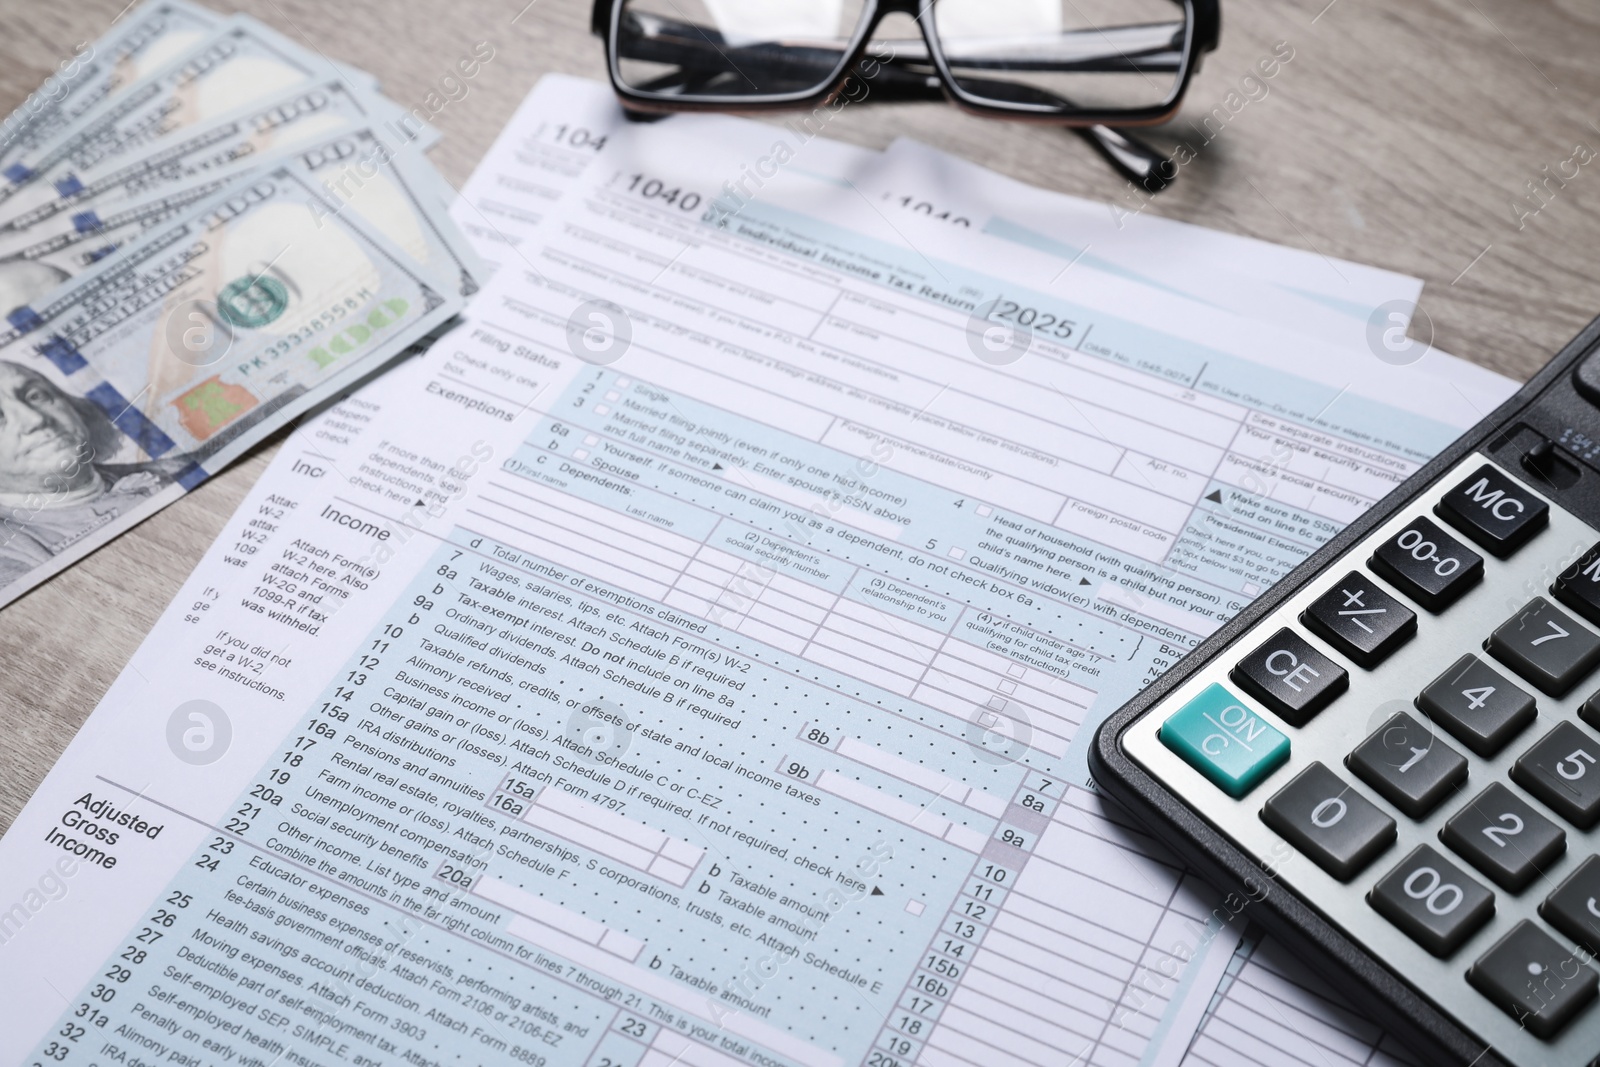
(691, 658)
(205, 230)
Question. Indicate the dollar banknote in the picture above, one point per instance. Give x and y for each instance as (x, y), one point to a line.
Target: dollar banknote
(297, 116)
(240, 64)
(43, 247)
(394, 193)
(159, 365)
(397, 193)
(138, 43)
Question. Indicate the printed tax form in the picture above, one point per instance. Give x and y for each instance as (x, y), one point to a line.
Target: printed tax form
(713, 697)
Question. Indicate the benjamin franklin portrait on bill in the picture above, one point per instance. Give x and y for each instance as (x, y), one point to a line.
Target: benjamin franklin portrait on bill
(57, 481)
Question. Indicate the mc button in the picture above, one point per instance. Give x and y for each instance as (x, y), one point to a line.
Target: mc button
(1223, 739)
(1493, 510)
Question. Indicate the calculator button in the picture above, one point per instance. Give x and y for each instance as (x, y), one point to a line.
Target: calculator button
(1501, 835)
(1219, 736)
(1561, 771)
(1427, 564)
(1361, 620)
(1291, 677)
(1408, 766)
(1546, 646)
(1494, 510)
(1574, 907)
(1578, 587)
(1341, 830)
(1432, 901)
(1479, 707)
(1536, 981)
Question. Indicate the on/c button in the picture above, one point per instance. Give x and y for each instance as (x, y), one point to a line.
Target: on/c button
(1218, 735)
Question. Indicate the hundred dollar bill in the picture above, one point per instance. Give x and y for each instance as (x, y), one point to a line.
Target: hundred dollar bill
(295, 117)
(201, 155)
(240, 64)
(147, 373)
(140, 42)
(33, 271)
(396, 192)
(393, 193)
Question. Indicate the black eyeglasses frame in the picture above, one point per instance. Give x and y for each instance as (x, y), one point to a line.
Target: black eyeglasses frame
(1202, 28)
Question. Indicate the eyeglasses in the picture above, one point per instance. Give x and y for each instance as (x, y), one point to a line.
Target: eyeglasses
(1091, 65)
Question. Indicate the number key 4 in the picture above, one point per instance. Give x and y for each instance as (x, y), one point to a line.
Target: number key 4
(1479, 707)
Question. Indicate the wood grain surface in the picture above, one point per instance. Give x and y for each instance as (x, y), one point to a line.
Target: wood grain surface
(1401, 135)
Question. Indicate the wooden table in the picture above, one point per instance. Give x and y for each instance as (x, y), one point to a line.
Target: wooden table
(1402, 135)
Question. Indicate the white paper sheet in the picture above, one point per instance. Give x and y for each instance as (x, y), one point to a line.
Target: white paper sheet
(1270, 1011)
(1250, 277)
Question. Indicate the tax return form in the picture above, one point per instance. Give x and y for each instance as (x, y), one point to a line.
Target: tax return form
(713, 697)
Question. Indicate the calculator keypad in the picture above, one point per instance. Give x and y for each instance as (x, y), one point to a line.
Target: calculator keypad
(1479, 707)
(1500, 834)
(1360, 620)
(1433, 901)
(1446, 787)
(1544, 645)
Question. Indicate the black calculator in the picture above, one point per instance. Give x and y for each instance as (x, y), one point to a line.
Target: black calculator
(1394, 753)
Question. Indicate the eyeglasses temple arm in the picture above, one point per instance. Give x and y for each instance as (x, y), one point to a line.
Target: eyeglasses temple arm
(1135, 160)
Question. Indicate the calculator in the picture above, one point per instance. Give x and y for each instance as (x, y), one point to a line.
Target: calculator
(1393, 755)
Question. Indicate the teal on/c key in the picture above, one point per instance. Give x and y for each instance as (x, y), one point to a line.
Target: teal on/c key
(1221, 737)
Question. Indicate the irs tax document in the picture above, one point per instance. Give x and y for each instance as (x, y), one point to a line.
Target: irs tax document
(687, 666)
(1335, 300)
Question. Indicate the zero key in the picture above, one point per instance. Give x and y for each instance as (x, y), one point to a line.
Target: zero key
(1341, 830)
(1494, 510)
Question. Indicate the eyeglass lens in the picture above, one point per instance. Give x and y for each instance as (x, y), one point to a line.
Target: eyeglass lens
(734, 48)
(1054, 55)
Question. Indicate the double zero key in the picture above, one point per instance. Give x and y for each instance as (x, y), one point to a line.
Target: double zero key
(1429, 898)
